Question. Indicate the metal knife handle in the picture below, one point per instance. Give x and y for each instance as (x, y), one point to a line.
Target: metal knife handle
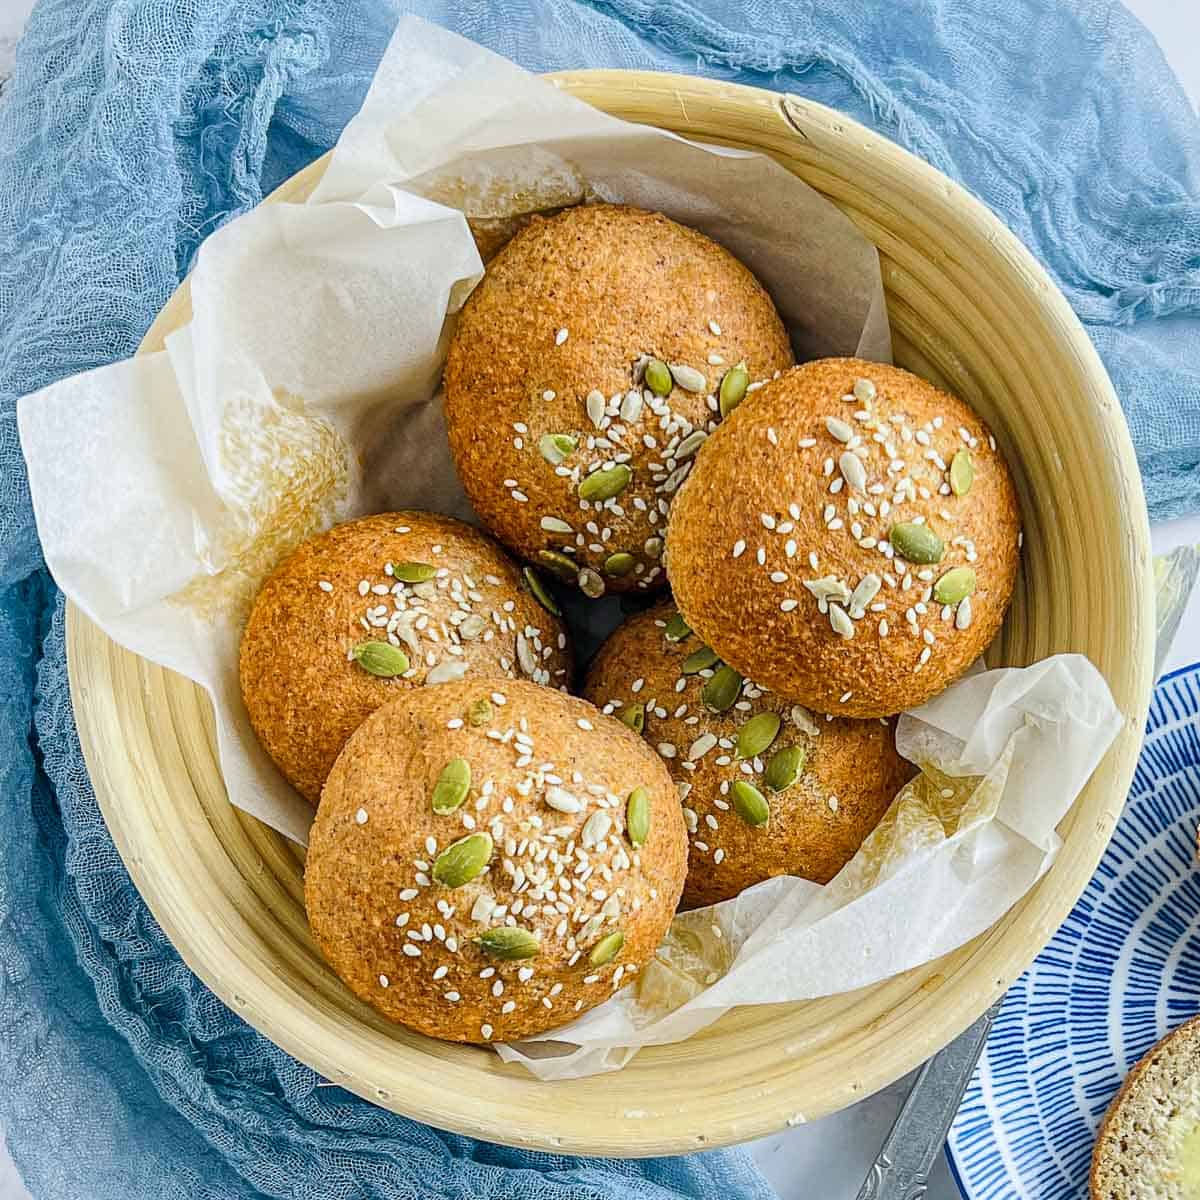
(901, 1169)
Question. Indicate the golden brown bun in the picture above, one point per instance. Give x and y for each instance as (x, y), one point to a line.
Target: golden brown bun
(760, 488)
(623, 283)
(851, 773)
(1146, 1146)
(305, 696)
(371, 881)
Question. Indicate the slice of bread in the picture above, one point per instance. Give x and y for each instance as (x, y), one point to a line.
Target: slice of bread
(1149, 1142)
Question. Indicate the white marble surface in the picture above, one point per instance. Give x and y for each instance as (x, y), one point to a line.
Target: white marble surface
(829, 1158)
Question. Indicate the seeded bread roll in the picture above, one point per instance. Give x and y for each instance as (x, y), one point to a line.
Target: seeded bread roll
(487, 864)
(375, 607)
(849, 538)
(583, 376)
(1148, 1147)
(767, 788)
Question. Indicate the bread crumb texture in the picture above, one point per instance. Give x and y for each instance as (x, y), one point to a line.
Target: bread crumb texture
(1148, 1147)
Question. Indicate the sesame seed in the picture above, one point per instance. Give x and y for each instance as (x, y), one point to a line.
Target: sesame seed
(441, 972)
(767, 520)
(739, 548)
(925, 655)
(844, 697)
(788, 605)
(454, 723)
(431, 845)
(361, 816)
(761, 555)
(325, 585)
(411, 950)
(561, 336)
(486, 1030)
(714, 328)
(883, 628)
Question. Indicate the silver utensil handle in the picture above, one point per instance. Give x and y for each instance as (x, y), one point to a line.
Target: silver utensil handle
(901, 1169)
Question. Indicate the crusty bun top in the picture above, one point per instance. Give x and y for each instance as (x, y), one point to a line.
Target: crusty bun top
(489, 860)
(570, 441)
(767, 788)
(849, 538)
(376, 606)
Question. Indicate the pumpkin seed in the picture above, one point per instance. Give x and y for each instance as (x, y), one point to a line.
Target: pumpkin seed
(538, 588)
(590, 583)
(784, 768)
(606, 483)
(657, 377)
(677, 629)
(957, 584)
(757, 734)
(414, 572)
(916, 543)
(637, 816)
(463, 860)
(722, 690)
(687, 377)
(700, 660)
(480, 712)
(380, 658)
(563, 565)
(634, 715)
(733, 388)
(619, 564)
(962, 473)
(556, 447)
(509, 942)
(452, 787)
(749, 803)
(607, 948)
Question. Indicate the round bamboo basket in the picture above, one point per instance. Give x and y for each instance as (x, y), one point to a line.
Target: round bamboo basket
(971, 310)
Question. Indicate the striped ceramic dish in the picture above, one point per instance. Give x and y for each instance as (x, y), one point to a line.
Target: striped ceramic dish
(1123, 970)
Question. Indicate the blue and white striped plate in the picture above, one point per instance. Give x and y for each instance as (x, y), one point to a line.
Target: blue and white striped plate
(1122, 971)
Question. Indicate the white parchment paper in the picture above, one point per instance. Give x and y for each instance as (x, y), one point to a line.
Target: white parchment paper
(303, 390)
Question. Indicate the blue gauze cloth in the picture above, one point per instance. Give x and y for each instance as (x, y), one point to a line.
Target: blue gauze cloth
(133, 128)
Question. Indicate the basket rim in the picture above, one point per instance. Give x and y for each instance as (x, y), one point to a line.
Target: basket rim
(295, 1018)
